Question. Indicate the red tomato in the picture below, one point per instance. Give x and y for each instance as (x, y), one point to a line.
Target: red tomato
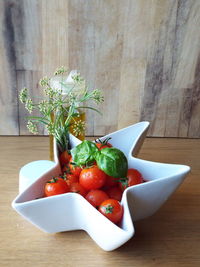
(96, 197)
(112, 209)
(75, 170)
(92, 178)
(115, 193)
(101, 146)
(56, 186)
(110, 182)
(64, 157)
(70, 178)
(103, 143)
(134, 177)
(78, 188)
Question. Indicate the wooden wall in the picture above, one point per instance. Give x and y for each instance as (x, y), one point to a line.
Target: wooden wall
(144, 54)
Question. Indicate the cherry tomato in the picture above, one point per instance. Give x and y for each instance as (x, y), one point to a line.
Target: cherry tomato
(110, 182)
(56, 186)
(75, 170)
(96, 197)
(115, 193)
(134, 177)
(64, 157)
(70, 178)
(92, 178)
(78, 188)
(112, 209)
(101, 146)
(103, 143)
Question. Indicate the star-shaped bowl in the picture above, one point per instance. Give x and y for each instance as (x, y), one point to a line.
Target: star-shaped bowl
(71, 211)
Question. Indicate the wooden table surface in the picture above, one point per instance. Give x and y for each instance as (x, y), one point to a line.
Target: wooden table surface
(171, 237)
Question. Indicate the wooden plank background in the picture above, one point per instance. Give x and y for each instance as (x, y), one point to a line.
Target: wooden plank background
(145, 55)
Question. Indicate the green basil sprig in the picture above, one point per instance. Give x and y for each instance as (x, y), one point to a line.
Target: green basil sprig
(110, 160)
(113, 162)
(84, 153)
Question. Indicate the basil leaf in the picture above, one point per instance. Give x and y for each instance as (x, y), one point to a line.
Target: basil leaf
(84, 153)
(113, 162)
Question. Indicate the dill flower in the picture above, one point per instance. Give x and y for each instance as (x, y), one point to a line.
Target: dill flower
(43, 106)
(29, 105)
(60, 70)
(97, 96)
(78, 127)
(44, 81)
(23, 95)
(32, 127)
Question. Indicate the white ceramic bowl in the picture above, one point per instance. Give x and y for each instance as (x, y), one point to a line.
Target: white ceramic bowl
(71, 211)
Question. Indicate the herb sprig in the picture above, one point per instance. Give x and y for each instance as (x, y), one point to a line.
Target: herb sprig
(60, 107)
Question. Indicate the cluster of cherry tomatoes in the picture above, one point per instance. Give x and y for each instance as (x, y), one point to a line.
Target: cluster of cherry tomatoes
(100, 190)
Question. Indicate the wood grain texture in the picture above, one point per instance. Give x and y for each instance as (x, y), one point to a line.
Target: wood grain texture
(54, 35)
(171, 237)
(145, 55)
(8, 94)
(171, 72)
